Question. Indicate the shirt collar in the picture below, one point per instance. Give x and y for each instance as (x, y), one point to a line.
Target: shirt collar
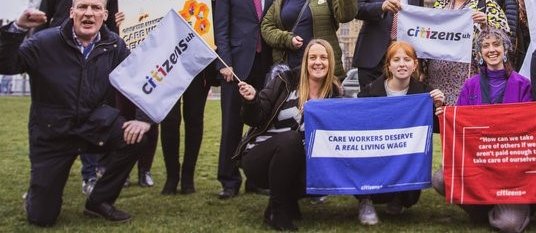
(95, 39)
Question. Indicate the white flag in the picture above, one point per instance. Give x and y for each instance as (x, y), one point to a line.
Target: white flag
(437, 34)
(156, 74)
(531, 19)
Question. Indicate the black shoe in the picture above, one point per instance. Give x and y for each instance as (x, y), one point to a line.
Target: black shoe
(187, 190)
(227, 193)
(145, 179)
(168, 191)
(294, 211)
(107, 211)
(279, 219)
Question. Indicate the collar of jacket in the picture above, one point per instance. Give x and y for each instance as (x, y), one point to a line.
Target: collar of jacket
(377, 88)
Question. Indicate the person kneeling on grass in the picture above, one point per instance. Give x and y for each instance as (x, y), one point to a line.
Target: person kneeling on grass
(503, 86)
(401, 66)
(71, 109)
(272, 153)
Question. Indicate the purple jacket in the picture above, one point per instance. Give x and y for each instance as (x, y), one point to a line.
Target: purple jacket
(517, 90)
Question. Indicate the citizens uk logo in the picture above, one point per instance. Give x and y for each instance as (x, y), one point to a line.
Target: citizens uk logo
(161, 71)
(428, 33)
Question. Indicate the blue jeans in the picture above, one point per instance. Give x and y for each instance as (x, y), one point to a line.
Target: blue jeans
(89, 165)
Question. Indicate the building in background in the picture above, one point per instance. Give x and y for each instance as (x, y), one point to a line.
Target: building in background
(347, 34)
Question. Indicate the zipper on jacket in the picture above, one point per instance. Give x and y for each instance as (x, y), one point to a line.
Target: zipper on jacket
(271, 119)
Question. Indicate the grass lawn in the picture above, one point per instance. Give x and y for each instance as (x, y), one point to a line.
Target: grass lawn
(201, 211)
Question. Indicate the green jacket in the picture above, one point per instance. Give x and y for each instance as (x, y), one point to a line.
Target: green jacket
(326, 19)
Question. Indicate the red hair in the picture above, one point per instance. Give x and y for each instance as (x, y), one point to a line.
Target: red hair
(408, 49)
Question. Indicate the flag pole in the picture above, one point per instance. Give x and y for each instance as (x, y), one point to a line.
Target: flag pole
(204, 42)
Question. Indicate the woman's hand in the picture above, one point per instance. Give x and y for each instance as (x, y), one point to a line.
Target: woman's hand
(247, 91)
(438, 97)
(479, 17)
(297, 42)
(439, 110)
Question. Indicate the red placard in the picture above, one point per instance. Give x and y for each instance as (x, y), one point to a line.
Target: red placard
(489, 153)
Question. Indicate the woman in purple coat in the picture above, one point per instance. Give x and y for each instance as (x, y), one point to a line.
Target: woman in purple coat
(496, 83)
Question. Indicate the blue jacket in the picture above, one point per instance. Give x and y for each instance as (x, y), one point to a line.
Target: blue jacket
(70, 95)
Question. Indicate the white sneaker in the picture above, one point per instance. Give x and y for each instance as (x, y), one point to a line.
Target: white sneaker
(318, 200)
(367, 213)
(87, 186)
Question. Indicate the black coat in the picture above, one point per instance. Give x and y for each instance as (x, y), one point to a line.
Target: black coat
(260, 112)
(377, 89)
(70, 95)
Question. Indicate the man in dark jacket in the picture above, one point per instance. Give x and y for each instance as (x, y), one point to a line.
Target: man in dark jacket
(71, 107)
(237, 34)
(375, 36)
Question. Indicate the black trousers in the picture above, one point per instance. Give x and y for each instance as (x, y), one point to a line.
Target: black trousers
(278, 164)
(52, 159)
(232, 124)
(367, 75)
(193, 109)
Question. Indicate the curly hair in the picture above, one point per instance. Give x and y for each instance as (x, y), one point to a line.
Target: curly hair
(497, 33)
(502, 37)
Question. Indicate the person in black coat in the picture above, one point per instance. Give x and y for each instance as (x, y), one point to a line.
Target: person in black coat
(72, 107)
(272, 153)
(401, 73)
(57, 11)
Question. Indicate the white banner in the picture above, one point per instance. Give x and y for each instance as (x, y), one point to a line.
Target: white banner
(437, 34)
(531, 19)
(156, 74)
(369, 143)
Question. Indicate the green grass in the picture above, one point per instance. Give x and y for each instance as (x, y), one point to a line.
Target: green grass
(199, 212)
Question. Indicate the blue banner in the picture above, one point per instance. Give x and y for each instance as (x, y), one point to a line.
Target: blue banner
(368, 145)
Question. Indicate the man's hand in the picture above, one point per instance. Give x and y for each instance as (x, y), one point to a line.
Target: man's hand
(134, 130)
(31, 18)
(119, 18)
(227, 73)
(392, 6)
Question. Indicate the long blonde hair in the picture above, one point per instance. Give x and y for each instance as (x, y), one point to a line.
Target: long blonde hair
(328, 82)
